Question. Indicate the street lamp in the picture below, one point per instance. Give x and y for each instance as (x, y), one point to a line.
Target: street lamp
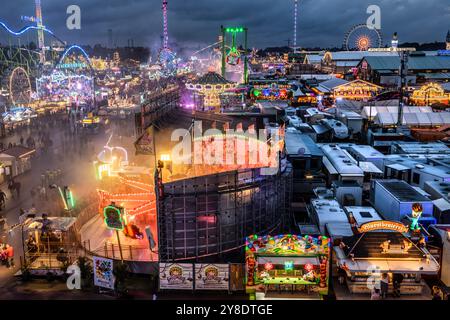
(165, 157)
(165, 161)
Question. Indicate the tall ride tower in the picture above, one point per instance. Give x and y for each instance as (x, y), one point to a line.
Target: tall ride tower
(295, 24)
(39, 23)
(165, 27)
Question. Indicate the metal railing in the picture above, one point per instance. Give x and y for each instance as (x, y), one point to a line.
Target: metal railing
(46, 256)
(129, 252)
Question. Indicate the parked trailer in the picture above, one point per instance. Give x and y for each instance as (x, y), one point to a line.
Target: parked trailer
(394, 199)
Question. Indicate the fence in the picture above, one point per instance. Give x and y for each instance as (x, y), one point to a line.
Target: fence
(51, 256)
(129, 252)
(108, 250)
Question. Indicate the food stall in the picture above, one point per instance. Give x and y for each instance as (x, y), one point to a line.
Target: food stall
(384, 247)
(287, 264)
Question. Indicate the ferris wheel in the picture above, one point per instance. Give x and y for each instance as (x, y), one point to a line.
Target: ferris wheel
(19, 87)
(361, 38)
(168, 61)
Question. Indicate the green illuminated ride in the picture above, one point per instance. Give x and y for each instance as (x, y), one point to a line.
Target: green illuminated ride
(233, 55)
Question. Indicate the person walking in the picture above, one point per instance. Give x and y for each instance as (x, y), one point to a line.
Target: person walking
(17, 186)
(384, 285)
(397, 279)
(3, 199)
(11, 187)
(9, 256)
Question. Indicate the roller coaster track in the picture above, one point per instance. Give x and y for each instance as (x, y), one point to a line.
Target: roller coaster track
(28, 28)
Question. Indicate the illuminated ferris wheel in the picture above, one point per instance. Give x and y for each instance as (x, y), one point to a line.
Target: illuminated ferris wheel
(19, 87)
(361, 38)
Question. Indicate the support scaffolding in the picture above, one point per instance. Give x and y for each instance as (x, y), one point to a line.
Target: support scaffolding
(207, 218)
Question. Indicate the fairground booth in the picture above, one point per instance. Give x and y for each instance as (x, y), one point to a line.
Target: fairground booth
(289, 266)
(356, 90)
(385, 247)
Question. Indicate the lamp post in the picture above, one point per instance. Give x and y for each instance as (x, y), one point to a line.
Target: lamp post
(403, 75)
(165, 161)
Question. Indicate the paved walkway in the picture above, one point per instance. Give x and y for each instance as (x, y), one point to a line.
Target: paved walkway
(70, 154)
(73, 155)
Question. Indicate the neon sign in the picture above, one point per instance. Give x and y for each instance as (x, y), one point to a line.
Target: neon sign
(383, 225)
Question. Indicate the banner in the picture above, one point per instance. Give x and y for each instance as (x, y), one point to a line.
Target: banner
(383, 225)
(145, 144)
(211, 276)
(103, 273)
(176, 276)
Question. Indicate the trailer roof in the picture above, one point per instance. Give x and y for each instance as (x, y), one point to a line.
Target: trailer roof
(402, 191)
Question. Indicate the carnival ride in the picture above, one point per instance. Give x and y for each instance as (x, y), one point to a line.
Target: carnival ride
(233, 56)
(30, 59)
(20, 87)
(46, 64)
(361, 38)
(126, 187)
(166, 57)
(71, 80)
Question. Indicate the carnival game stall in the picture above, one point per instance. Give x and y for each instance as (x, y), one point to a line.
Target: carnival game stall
(287, 264)
(429, 94)
(48, 244)
(384, 247)
(356, 90)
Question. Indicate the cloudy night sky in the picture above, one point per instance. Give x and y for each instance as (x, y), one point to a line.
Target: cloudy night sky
(193, 23)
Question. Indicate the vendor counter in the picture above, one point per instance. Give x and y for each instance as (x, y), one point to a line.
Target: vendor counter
(407, 287)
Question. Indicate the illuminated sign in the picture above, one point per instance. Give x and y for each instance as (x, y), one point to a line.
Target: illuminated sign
(289, 265)
(383, 225)
(443, 52)
(78, 65)
(113, 217)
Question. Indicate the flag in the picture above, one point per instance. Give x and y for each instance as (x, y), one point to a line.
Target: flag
(145, 143)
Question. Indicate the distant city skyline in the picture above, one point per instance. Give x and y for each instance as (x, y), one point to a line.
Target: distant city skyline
(321, 23)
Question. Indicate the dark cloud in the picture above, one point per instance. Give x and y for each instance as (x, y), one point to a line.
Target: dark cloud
(196, 22)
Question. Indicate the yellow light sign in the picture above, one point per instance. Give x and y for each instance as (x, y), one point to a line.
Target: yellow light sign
(383, 225)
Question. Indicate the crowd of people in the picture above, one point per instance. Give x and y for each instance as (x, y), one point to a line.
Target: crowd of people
(7, 255)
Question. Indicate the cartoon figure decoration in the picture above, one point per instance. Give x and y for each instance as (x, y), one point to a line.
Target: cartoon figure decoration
(175, 275)
(310, 276)
(416, 213)
(251, 267)
(406, 245)
(288, 244)
(385, 246)
(323, 272)
(422, 242)
(211, 275)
